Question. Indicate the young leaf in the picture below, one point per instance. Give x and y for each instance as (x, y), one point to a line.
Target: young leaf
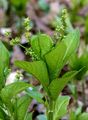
(41, 44)
(61, 107)
(33, 93)
(72, 42)
(13, 89)
(83, 116)
(4, 63)
(61, 53)
(37, 69)
(22, 106)
(54, 59)
(58, 84)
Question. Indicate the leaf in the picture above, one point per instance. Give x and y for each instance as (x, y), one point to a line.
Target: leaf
(69, 27)
(33, 93)
(41, 117)
(76, 63)
(58, 57)
(58, 84)
(1, 102)
(54, 59)
(2, 114)
(61, 107)
(72, 42)
(37, 69)
(73, 90)
(19, 2)
(13, 89)
(29, 116)
(22, 106)
(72, 116)
(41, 44)
(4, 63)
(83, 116)
(78, 110)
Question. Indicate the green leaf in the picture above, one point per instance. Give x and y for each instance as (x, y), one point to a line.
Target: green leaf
(77, 63)
(22, 107)
(29, 116)
(41, 44)
(58, 57)
(2, 114)
(9, 91)
(37, 69)
(1, 102)
(58, 84)
(69, 27)
(4, 63)
(33, 93)
(54, 59)
(73, 90)
(61, 107)
(18, 2)
(83, 116)
(78, 110)
(72, 115)
(72, 42)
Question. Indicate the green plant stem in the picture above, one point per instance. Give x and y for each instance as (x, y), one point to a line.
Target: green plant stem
(22, 46)
(50, 109)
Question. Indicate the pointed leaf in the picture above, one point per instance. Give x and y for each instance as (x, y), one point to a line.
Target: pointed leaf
(37, 69)
(22, 106)
(58, 84)
(54, 59)
(13, 89)
(4, 63)
(72, 42)
(41, 44)
(61, 53)
(61, 107)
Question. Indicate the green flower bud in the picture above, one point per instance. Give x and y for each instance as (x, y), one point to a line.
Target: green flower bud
(15, 41)
(7, 34)
(27, 24)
